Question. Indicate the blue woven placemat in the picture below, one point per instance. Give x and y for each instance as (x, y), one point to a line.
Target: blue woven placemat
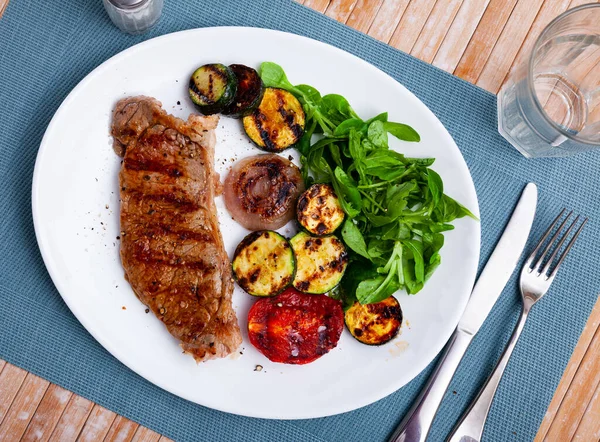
(46, 48)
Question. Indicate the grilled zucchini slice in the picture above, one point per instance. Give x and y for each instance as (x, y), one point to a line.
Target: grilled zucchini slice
(250, 90)
(263, 263)
(320, 262)
(277, 123)
(319, 210)
(212, 88)
(374, 324)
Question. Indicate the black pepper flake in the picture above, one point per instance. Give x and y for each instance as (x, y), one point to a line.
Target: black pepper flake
(179, 102)
(290, 157)
(258, 368)
(118, 238)
(454, 392)
(147, 310)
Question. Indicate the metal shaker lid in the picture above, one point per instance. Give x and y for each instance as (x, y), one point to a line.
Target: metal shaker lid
(127, 4)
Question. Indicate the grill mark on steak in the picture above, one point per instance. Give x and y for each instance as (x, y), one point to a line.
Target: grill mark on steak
(181, 204)
(171, 246)
(148, 165)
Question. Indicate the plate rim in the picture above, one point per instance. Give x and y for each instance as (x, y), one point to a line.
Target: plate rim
(147, 374)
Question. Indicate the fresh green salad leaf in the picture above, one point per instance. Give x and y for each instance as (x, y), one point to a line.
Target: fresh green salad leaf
(395, 205)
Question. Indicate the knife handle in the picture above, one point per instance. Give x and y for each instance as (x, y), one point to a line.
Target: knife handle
(417, 422)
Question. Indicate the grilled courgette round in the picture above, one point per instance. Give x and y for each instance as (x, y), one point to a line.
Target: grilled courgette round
(277, 123)
(319, 210)
(374, 324)
(263, 263)
(250, 90)
(212, 88)
(320, 262)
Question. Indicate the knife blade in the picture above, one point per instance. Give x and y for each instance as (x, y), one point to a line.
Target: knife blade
(501, 264)
(415, 426)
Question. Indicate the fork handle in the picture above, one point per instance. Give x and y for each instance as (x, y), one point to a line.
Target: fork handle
(470, 426)
(417, 422)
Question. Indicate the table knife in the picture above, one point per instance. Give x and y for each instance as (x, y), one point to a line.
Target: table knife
(498, 270)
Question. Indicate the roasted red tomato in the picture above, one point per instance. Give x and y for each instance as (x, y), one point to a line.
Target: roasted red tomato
(295, 328)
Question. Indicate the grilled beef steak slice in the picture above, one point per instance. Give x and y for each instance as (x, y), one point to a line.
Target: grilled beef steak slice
(171, 246)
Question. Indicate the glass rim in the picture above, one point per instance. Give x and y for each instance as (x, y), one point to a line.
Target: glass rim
(536, 47)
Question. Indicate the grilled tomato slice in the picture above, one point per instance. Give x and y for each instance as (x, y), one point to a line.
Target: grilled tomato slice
(294, 328)
(374, 324)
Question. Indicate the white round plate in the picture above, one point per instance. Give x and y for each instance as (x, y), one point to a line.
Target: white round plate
(76, 216)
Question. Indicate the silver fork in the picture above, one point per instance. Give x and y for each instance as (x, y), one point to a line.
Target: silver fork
(536, 277)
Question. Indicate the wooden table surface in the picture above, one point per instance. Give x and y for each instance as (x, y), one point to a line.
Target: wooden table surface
(480, 41)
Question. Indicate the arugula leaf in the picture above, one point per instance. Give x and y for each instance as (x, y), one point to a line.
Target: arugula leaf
(273, 75)
(436, 186)
(383, 117)
(416, 249)
(402, 131)
(354, 239)
(349, 192)
(344, 128)
(424, 162)
(377, 134)
(337, 108)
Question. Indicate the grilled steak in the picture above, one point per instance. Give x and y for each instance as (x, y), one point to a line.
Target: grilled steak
(171, 246)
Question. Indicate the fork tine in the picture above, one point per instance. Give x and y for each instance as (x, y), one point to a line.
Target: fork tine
(564, 255)
(559, 245)
(540, 260)
(539, 244)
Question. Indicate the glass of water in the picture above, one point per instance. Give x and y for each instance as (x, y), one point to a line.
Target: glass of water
(550, 107)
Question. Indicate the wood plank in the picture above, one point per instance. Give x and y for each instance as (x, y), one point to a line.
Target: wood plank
(411, 24)
(459, 34)
(3, 6)
(97, 425)
(165, 439)
(2, 364)
(72, 420)
(387, 18)
(548, 12)
(589, 427)
(508, 44)
(23, 407)
(317, 5)
(47, 414)
(11, 380)
(340, 10)
(436, 27)
(144, 434)
(566, 381)
(484, 39)
(579, 395)
(121, 430)
(363, 14)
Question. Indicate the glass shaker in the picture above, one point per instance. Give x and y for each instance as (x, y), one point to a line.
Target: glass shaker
(134, 16)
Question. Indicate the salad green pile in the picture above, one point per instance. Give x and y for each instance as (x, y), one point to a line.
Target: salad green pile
(396, 207)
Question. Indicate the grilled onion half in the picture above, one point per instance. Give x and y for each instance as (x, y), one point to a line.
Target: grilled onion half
(261, 191)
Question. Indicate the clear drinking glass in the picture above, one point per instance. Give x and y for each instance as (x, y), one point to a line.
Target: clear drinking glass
(550, 107)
